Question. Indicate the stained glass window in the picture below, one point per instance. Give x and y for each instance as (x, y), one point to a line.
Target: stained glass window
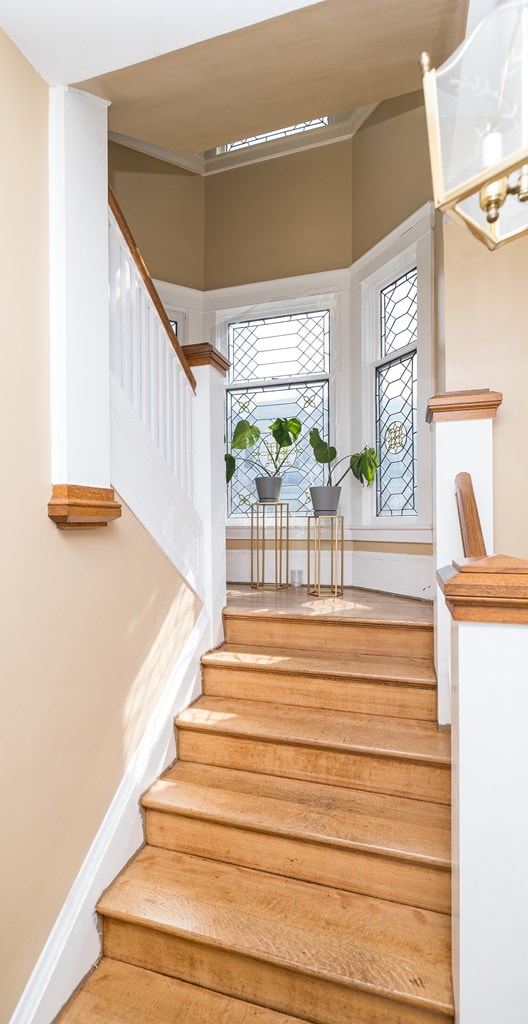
(279, 367)
(396, 398)
(279, 133)
(398, 313)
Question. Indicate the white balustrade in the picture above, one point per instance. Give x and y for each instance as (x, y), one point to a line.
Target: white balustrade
(145, 364)
(151, 400)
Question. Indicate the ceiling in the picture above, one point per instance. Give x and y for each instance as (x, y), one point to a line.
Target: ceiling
(324, 58)
(67, 40)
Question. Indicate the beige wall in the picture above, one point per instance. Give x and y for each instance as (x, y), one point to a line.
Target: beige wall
(164, 207)
(486, 345)
(311, 211)
(90, 622)
(391, 175)
(279, 218)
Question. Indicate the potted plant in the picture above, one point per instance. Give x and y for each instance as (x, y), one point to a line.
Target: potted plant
(271, 454)
(362, 464)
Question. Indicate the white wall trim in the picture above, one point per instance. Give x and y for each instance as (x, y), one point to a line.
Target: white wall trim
(340, 129)
(420, 223)
(195, 163)
(409, 575)
(74, 942)
(78, 284)
(277, 290)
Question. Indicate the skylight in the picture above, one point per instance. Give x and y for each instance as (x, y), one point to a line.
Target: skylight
(280, 133)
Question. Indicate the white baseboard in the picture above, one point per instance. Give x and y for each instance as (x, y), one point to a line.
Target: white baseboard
(409, 575)
(74, 943)
(239, 565)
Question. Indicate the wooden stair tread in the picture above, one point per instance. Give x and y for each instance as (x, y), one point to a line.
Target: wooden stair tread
(403, 738)
(391, 826)
(340, 937)
(117, 993)
(410, 671)
(355, 605)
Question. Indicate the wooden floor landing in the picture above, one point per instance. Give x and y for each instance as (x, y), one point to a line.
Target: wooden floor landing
(368, 605)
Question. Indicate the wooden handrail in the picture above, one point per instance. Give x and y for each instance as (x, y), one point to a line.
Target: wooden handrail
(149, 285)
(470, 528)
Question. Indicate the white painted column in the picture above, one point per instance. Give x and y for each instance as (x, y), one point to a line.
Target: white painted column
(462, 442)
(209, 487)
(80, 407)
(489, 812)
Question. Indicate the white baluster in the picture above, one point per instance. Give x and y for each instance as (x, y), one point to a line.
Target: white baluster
(143, 360)
(160, 392)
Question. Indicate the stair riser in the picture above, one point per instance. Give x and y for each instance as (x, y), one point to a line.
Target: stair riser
(379, 774)
(246, 977)
(402, 881)
(360, 696)
(324, 635)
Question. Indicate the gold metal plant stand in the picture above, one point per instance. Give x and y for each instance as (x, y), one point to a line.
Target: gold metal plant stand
(334, 543)
(276, 516)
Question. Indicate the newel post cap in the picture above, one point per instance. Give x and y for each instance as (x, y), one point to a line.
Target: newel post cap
(481, 404)
(491, 589)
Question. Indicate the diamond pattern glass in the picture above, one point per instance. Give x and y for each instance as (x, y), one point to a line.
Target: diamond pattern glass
(309, 402)
(283, 363)
(295, 345)
(398, 313)
(280, 133)
(396, 437)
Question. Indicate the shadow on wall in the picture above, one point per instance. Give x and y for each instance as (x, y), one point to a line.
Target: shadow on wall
(155, 671)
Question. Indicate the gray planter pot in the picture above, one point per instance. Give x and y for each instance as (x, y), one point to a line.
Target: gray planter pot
(325, 500)
(268, 487)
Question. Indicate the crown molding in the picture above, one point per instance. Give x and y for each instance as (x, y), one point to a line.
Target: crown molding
(189, 163)
(339, 129)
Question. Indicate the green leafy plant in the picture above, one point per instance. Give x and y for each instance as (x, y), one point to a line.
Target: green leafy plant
(273, 450)
(362, 464)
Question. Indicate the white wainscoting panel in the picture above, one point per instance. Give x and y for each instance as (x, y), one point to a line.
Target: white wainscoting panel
(142, 477)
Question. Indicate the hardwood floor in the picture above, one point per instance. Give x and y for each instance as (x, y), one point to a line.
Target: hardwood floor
(297, 865)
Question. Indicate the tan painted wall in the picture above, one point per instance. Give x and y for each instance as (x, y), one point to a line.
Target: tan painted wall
(90, 623)
(299, 214)
(486, 345)
(279, 218)
(391, 175)
(164, 206)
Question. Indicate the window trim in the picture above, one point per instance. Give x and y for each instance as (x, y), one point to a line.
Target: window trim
(390, 262)
(239, 524)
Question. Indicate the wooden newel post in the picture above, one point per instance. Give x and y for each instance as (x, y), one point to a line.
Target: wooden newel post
(462, 440)
(488, 602)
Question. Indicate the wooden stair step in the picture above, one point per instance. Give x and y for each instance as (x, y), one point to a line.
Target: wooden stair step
(117, 993)
(387, 847)
(402, 757)
(368, 684)
(342, 635)
(280, 942)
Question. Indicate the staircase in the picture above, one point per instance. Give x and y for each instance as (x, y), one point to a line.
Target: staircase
(297, 865)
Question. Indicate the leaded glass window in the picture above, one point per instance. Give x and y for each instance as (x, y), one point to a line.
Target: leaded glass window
(279, 367)
(279, 133)
(396, 398)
